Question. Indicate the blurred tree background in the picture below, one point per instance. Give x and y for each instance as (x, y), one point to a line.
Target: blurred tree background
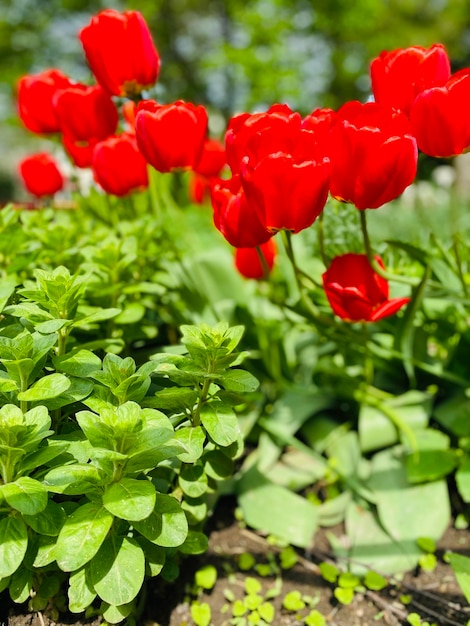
(231, 55)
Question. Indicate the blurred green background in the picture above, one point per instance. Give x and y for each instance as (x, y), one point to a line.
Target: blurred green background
(231, 55)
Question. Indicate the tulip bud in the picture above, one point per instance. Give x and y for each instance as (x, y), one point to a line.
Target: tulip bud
(118, 165)
(40, 175)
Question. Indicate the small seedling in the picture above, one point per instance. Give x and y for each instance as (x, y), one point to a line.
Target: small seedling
(201, 613)
(428, 560)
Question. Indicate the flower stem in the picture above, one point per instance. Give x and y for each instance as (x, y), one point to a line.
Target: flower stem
(372, 260)
(264, 263)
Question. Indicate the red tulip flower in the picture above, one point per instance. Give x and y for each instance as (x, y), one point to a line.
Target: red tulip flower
(356, 293)
(35, 94)
(171, 136)
(234, 218)
(80, 152)
(399, 76)
(248, 262)
(40, 175)
(118, 165)
(320, 123)
(279, 125)
(207, 171)
(373, 154)
(120, 52)
(440, 119)
(86, 113)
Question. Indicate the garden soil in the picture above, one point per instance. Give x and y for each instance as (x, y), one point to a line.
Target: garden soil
(434, 595)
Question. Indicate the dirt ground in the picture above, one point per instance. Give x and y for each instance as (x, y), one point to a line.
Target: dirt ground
(434, 595)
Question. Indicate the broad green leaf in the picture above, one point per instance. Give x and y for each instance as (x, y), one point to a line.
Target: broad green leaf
(21, 584)
(167, 525)
(193, 480)
(462, 478)
(47, 387)
(117, 572)
(13, 544)
(98, 316)
(82, 535)
(72, 479)
(7, 384)
(276, 510)
(130, 499)
(407, 511)
(217, 465)
(79, 363)
(195, 543)
(461, 566)
(220, 422)
(192, 440)
(433, 460)
(238, 380)
(154, 556)
(7, 287)
(49, 521)
(454, 414)
(116, 614)
(45, 554)
(26, 495)
(81, 593)
(176, 399)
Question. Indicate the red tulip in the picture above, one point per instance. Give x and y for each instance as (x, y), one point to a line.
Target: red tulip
(440, 119)
(320, 122)
(401, 75)
(120, 52)
(80, 152)
(249, 264)
(40, 175)
(355, 292)
(278, 125)
(207, 171)
(212, 159)
(35, 95)
(234, 218)
(373, 154)
(286, 192)
(171, 136)
(129, 111)
(118, 165)
(86, 113)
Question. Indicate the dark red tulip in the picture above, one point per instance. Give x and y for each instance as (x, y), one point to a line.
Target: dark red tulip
(171, 136)
(86, 113)
(401, 75)
(40, 175)
(248, 262)
(373, 154)
(356, 293)
(440, 119)
(120, 52)
(234, 218)
(35, 94)
(118, 165)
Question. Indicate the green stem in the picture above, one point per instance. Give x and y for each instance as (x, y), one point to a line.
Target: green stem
(372, 260)
(196, 417)
(368, 361)
(321, 239)
(306, 301)
(262, 260)
(458, 259)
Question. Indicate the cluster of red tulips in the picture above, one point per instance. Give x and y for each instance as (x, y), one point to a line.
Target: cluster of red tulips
(282, 167)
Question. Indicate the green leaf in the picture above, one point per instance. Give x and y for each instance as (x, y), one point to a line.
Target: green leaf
(130, 499)
(47, 387)
(98, 316)
(82, 535)
(116, 614)
(240, 381)
(13, 544)
(117, 571)
(192, 439)
(195, 543)
(201, 613)
(72, 479)
(176, 399)
(433, 459)
(220, 422)
(462, 478)
(193, 480)
(374, 581)
(276, 510)
(49, 521)
(167, 525)
(21, 584)
(7, 287)
(81, 593)
(26, 495)
(154, 556)
(206, 577)
(79, 363)
(461, 566)
(344, 596)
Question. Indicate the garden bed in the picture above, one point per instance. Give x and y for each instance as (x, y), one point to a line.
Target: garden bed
(434, 595)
